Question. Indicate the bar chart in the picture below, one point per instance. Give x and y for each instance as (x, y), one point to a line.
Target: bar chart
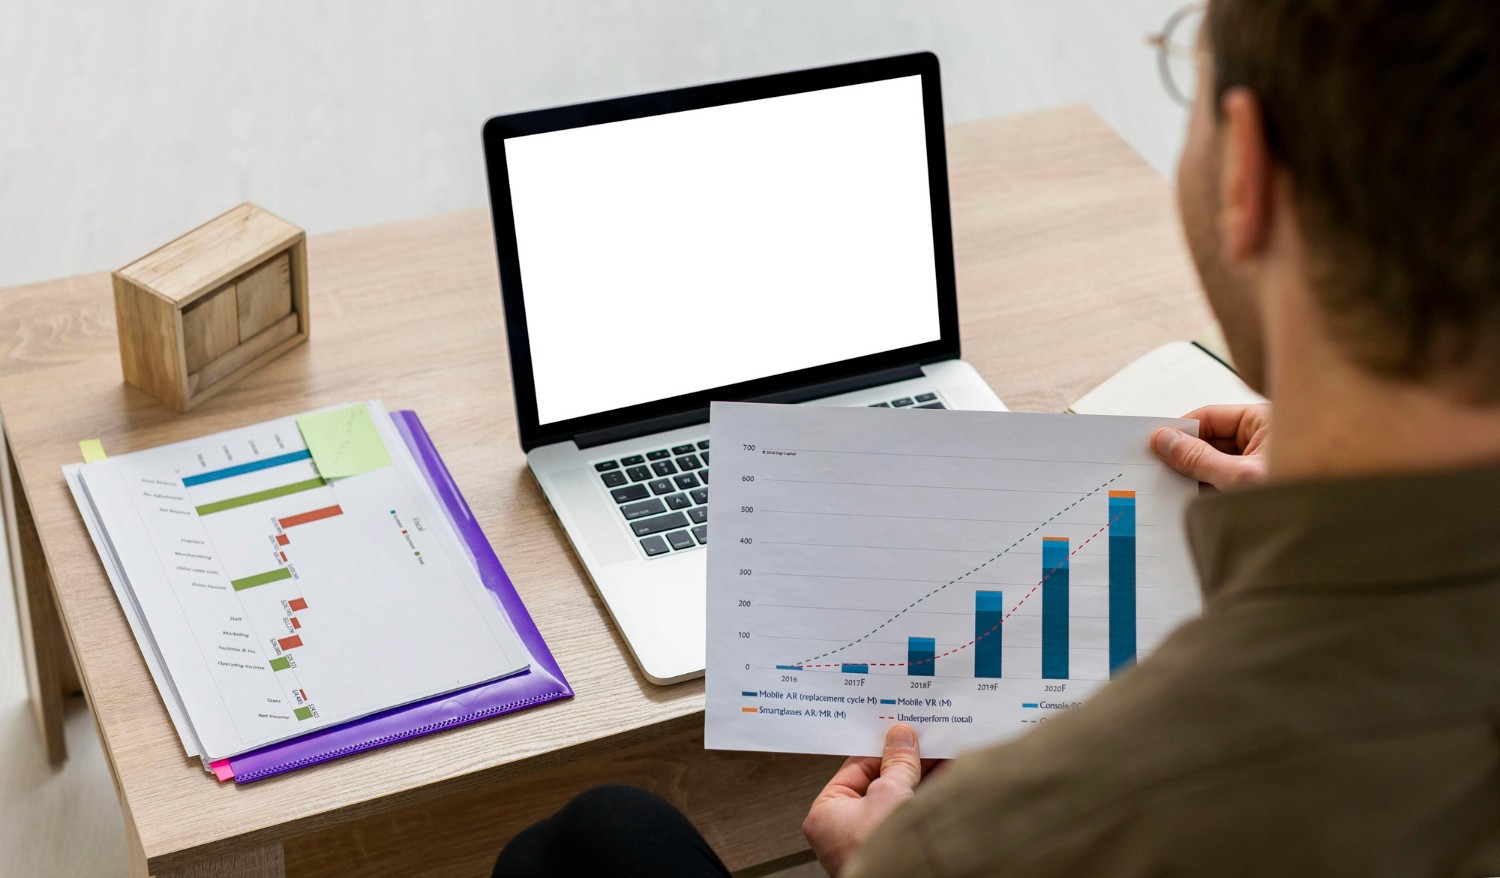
(970, 579)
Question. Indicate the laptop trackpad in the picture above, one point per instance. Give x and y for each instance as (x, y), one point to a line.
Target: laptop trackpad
(597, 520)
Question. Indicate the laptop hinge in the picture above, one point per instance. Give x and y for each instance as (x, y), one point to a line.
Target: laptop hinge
(621, 432)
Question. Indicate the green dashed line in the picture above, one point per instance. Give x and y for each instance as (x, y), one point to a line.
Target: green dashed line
(992, 560)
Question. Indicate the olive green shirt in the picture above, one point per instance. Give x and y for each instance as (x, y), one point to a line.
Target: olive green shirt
(1335, 711)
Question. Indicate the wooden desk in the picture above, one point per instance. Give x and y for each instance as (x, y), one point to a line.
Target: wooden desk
(1069, 265)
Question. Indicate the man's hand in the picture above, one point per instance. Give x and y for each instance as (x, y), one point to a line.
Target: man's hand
(1230, 451)
(863, 792)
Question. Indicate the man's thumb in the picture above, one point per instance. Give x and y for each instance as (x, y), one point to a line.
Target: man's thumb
(901, 761)
(1197, 459)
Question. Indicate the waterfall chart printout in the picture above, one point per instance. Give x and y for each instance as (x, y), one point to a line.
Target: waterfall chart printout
(277, 601)
(968, 573)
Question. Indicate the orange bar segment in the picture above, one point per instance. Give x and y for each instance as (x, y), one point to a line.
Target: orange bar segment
(287, 643)
(297, 604)
(281, 540)
(305, 517)
(749, 710)
(1122, 494)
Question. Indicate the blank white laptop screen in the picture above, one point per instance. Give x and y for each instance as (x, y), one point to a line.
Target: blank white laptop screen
(692, 250)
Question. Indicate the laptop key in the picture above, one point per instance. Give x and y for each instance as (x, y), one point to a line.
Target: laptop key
(902, 402)
(613, 479)
(678, 501)
(658, 455)
(680, 540)
(926, 397)
(699, 514)
(607, 465)
(663, 468)
(705, 458)
(686, 481)
(648, 526)
(703, 445)
(932, 405)
(688, 462)
(682, 449)
(641, 510)
(630, 493)
(638, 473)
(662, 486)
(654, 546)
(632, 460)
(702, 475)
(880, 405)
(700, 496)
(701, 533)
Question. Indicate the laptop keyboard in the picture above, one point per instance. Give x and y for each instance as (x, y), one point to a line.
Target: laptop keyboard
(663, 494)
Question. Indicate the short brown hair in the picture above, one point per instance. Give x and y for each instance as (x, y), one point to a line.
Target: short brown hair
(1386, 115)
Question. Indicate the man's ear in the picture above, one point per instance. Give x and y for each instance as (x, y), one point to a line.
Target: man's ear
(1246, 190)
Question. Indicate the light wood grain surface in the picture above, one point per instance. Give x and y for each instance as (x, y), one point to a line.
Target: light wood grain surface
(1069, 264)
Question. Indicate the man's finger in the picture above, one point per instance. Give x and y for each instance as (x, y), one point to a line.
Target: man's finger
(1198, 460)
(901, 762)
(1227, 421)
(852, 779)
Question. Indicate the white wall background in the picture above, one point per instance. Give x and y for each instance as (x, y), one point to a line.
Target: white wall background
(123, 124)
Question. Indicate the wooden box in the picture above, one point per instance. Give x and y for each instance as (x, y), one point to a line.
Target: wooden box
(210, 307)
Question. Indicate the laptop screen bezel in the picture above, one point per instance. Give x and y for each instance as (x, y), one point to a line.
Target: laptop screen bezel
(500, 128)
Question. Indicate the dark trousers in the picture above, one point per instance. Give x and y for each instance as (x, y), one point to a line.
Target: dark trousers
(611, 830)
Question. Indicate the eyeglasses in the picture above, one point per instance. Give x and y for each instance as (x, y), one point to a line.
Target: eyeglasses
(1177, 53)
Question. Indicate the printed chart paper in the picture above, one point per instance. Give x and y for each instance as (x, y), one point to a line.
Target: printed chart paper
(270, 601)
(968, 573)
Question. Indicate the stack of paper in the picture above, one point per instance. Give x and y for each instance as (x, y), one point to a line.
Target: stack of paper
(290, 576)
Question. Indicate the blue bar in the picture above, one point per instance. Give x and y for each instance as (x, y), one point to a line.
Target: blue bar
(921, 656)
(854, 669)
(887, 701)
(242, 468)
(788, 667)
(989, 613)
(749, 694)
(1031, 704)
(1122, 598)
(1055, 608)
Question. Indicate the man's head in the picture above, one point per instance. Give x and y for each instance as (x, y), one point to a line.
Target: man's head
(1355, 143)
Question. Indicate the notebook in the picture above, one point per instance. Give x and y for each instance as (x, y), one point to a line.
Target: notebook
(1169, 382)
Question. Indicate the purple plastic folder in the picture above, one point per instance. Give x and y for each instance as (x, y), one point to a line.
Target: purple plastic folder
(543, 682)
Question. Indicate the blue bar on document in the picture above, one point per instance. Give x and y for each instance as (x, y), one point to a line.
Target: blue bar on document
(248, 467)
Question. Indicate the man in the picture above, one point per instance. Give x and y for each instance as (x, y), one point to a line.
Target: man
(1336, 710)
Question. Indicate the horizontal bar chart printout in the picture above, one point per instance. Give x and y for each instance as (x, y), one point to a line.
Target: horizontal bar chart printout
(939, 568)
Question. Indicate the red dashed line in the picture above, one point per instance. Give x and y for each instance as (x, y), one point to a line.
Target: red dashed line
(1012, 612)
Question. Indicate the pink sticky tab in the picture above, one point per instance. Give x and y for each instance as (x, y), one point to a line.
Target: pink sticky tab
(222, 771)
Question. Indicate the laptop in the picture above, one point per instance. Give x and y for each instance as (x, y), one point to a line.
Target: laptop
(777, 239)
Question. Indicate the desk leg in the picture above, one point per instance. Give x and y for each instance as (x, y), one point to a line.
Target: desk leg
(49, 661)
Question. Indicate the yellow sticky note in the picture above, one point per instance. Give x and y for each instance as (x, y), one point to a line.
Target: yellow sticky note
(93, 450)
(343, 442)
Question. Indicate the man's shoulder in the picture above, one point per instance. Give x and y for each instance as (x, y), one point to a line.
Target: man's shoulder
(1218, 731)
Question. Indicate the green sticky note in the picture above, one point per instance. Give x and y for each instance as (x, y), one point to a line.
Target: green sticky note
(343, 442)
(93, 450)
